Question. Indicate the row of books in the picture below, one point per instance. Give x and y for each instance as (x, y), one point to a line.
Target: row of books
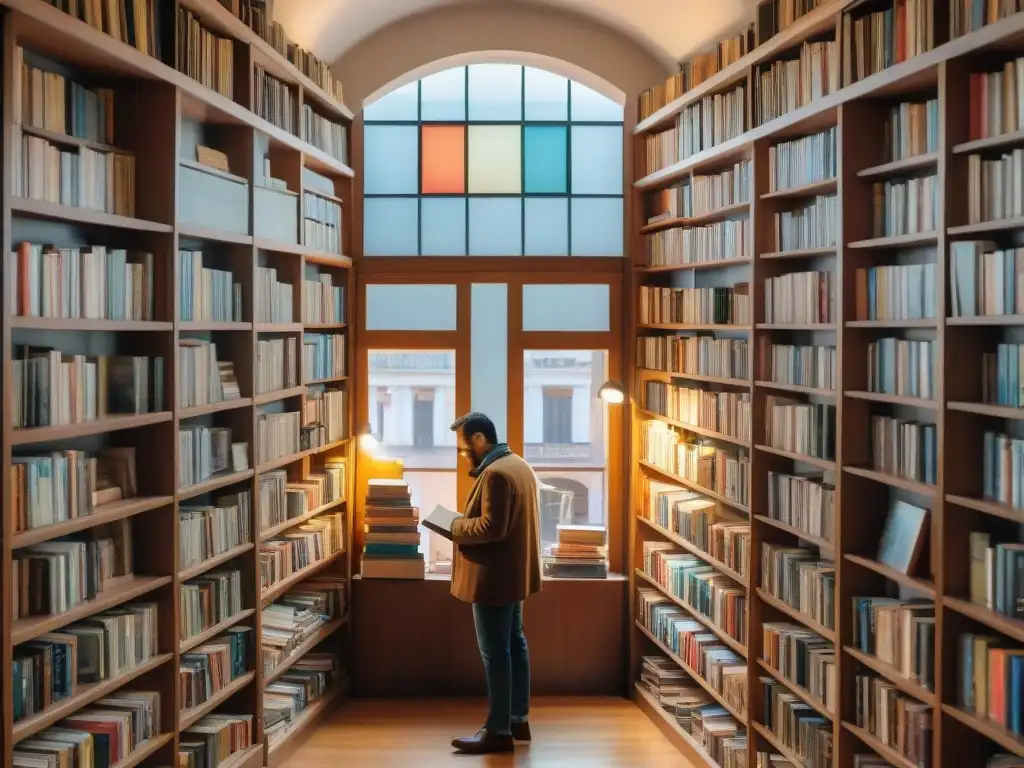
(277, 435)
(720, 241)
(1003, 469)
(323, 356)
(321, 222)
(813, 225)
(994, 187)
(210, 530)
(724, 472)
(801, 365)
(997, 574)
(711, 192)
(307, 680)
(129, 21)
(699, 520)
(801, 579)
(725, 412)
(803, 161)
(675, 202)
(904, 207)
(326, 135)
(796, 725)
(708, 594)
(101, 735)
(1002, 382)
(806, 503)
(661, 150)
(202, 378)
(78, 178)
(276, 364)
(213, 739)
(328, 408)
(904, 449)
(802, 657)
(53, 388)
(205, 57)
(985, 280)
(788, 84)
(298, 548)
(274, 100)
(52, 102)
(996, 103)
(903, 367)
(805, 428)
(322, 301)
(800, 298)
(92, 282)
(712, 121)
(900, 633)
(897, 292)
(694, 355)
(296, 616)
(695, 306)
(708, 723)
(911, 129)
(281, 500)
(894, 718)
(875, 41)
(209, 668)
(206, 294)
(992, 680)
(207, 600)
(52, 667)
(206, 451)
(274, 298)
(316, 70)
(67, 485)
(966, 16)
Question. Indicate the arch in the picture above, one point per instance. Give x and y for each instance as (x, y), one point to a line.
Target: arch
(580, 498)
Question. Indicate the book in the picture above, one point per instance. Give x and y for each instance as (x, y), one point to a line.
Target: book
(904, 536)
(440, 521)
(899, 633)
(694, 355)
(725, 412)
(205, 56)
(696, 306)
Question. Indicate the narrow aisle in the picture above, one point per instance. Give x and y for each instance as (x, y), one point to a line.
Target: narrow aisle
(577, 732)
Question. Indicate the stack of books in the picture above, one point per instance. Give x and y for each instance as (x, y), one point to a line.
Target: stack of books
(391, 544)
(581, 553)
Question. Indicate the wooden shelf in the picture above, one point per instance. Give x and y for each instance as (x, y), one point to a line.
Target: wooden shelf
(189, 716)
(993, 508)
(667, 376)
(55, 137)
(794, 614)
(893, 675)
(880, 397)
(796, 327)
(327, 380)
(117, 591)
(318, 636)
(274, 531)
(886, 324)
(269, 466)
(799, 253)
(894, 481)
(1004, 737)
(211, 171)
(324, 326)
(984, 409)
(278, 753)
(1013, 628)
(694, 487)
(280, 394)
(212, 327)
(697, 219)
(692, 673)
(278, 327)
(212, 632)
(81, 324)
(38, 209)
(996, 225)
(696, 327)
(897, 241)
(722, 264)
(816, 540)
(777, 744)
(693, 549)
(920, 586)
(898, 167)
(888, 753)
(214, 483)
(200, 568)
(279, 588)
(144, 750)
(86, 693)
(797, 690)
(103, 514)
(985, 320)
(720, 633)
(86, 428)
(223, 405)
(695, 429)
(824, 187)
(689, 746)
(796, 388)
(197, 232)
(801, 457)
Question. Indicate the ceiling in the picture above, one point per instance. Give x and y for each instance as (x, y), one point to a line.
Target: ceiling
(669, 29)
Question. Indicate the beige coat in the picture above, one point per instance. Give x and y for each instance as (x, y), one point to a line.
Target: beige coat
(497, 543)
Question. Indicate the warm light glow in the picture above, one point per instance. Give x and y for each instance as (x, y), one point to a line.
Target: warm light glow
(368, 443)
(611, 392)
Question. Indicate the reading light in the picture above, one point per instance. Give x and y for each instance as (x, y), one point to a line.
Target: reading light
(611, 392)
(367, 441)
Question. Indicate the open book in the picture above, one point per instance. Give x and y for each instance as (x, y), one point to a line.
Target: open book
(440, 521)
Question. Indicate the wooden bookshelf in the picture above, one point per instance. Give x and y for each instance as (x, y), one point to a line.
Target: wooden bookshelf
(160, 116)
(864, 489)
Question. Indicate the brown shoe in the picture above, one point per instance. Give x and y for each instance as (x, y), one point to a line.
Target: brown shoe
(521, 731)
(484, 743)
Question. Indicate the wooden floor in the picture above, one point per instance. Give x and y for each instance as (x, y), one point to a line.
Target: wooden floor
(577, 732)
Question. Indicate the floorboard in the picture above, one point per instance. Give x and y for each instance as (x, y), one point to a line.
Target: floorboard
(570, 732)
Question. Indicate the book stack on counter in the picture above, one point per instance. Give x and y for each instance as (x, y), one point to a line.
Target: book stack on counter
(310, 678)
(293, 618)
(581, 553)
(212, 666)
(212, 740)
(100, 736)
(391, 543)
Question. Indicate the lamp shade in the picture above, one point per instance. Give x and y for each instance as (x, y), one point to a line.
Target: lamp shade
(612, 392)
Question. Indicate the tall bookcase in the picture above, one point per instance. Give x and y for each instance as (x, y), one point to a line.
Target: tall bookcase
(241, 222)
(957, 491)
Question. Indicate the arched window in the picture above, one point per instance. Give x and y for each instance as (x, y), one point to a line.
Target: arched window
(493, 160)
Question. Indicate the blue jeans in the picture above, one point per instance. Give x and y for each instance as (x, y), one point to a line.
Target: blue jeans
(499, 633)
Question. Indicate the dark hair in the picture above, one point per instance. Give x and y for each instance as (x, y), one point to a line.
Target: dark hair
(474, 422)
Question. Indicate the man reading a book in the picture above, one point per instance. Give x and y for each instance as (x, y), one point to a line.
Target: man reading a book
(496, 567)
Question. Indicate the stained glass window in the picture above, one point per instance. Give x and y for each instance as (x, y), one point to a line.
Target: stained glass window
(493, 160)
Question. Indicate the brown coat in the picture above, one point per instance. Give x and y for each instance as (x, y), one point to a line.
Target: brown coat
(497, 543)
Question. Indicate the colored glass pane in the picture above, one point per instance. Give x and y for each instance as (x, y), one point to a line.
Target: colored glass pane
(566, 307)
(495, 92)
(411, 307)
(390, 226)
(495, 159)
(400, 104)
(545, 152)
(391, 159)
(495, 226)
(443, 226)
(546, 226)
(597, 160)
(588, 104)
(443, 95)
(597, 226)
(443, 156)
(547, 95)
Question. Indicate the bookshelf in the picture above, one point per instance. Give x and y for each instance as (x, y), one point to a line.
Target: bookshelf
(886, 401)
(195, 287)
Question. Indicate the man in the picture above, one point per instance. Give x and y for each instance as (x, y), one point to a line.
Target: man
(496, 567)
